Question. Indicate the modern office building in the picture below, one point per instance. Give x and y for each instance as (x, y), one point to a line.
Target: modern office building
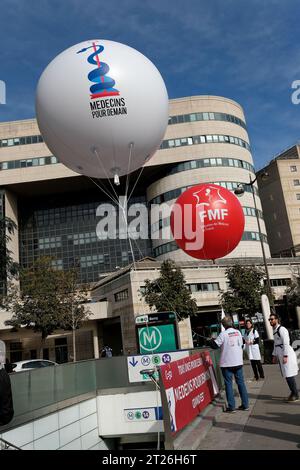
(279, 187)
(57, 213)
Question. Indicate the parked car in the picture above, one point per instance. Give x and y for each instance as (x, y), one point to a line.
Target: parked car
(32, 364)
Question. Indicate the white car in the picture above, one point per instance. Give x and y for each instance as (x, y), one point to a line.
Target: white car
(32, 364)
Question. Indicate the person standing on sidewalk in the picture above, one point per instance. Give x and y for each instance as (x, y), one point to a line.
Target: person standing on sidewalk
(230, 342)
(284, 354)
(251, 338)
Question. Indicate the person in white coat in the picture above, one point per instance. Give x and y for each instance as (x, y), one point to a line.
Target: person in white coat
(251, 338)
(284, 354)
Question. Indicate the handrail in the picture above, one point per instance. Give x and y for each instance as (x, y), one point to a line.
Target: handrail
(7, 445)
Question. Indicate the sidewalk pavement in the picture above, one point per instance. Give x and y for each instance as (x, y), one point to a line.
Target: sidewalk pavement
(270, 423)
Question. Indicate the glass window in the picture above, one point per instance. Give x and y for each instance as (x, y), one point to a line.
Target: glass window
(296, 182)
(293, 168)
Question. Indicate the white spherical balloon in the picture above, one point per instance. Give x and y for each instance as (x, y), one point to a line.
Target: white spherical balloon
(102, 108)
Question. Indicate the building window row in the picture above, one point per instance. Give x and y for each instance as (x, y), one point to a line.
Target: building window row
(279, 282)
(204, 139)
(57, 264)
(172, 246)
(254, 237)
(29, 139)
(204, 287)
(122, 295)
(211, 162)
(49, 242)
(162, 223)
(83, 238)
(90, 260)
(40, 161)
(206, 116)
(175, 193)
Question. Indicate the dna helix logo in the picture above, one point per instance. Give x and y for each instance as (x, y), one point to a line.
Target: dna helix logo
(103, 85)
(2, 92)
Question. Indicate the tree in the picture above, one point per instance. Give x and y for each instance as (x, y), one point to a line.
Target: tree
(8, 267)
(293, 293)
(244, 290)
(47, 301)
(169, 292)
(74, 300)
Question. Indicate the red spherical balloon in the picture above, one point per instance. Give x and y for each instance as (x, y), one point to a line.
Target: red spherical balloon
(207, 221)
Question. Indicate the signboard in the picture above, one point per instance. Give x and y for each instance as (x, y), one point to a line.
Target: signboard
(136, 364)
(157, 332)
(155, 317)
(154, 339)
(189, 388)
(143, 414)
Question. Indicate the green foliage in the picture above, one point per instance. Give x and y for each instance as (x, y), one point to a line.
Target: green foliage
(244, 290)
(73, 299)
(49, 299)
(293, 293)
(169, 292)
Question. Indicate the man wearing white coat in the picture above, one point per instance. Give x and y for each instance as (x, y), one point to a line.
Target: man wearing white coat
(284, 354)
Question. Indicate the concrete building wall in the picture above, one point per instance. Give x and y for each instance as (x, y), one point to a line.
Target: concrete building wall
(280, 196)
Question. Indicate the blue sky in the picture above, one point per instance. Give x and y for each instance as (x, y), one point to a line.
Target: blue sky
(247, 50)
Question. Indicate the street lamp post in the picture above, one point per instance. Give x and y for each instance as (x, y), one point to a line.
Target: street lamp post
(239, 191)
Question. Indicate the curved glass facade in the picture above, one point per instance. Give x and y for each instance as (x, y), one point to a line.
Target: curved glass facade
(211, 162)
(172, 246)
(204, 139)
(206, 116)
(248, 211)
(175, 193)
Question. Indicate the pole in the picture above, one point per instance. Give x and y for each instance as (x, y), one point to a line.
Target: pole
(73, 334)
(269, 289)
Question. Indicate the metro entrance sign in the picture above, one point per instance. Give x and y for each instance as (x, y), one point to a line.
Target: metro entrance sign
(157, 332)
(153, 339)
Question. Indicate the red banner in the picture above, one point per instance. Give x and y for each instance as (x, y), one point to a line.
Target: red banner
(190, 386)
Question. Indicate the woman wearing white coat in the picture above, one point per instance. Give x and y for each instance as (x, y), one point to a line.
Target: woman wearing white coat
(251, 339)
(284, 354)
